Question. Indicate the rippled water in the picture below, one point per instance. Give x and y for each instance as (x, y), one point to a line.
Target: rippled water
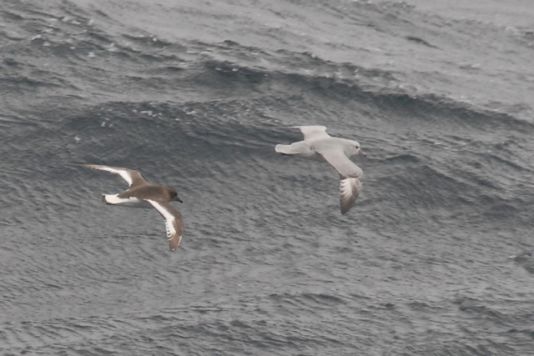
(195, 94)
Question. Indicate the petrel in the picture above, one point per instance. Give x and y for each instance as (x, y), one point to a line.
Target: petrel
(141, 192)
(335, 151)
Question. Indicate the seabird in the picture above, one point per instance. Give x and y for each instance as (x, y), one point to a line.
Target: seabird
(335, 151)
(141, 192)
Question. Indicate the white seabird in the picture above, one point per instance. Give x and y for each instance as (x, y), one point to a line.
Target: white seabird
(335, 151)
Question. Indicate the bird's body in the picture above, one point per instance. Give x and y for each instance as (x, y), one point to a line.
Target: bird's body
(147, 191)
(335, 151)
(144, 193)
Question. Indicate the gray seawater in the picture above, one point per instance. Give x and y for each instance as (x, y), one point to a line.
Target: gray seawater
(195, 94)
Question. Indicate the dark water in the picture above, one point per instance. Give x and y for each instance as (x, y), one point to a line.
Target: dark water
(195, 94)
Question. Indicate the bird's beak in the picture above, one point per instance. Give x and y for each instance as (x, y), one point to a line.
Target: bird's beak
(178, 199)
(363, 153)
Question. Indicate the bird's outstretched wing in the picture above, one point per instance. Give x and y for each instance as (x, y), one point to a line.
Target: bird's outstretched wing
(313, 132)
(132, 177)
(350, 174)
(349, 189)
(173, 222)
(337, 158)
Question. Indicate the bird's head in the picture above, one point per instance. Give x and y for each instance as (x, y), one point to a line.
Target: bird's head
(355, 148)
(174, 195)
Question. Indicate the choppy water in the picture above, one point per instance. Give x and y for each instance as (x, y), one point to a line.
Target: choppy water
(195, 94)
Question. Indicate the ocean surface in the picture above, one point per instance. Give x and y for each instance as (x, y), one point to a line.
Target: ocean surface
(436, 257)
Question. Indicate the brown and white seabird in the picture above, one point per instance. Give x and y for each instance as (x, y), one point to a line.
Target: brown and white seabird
(335, 151)
(141, 192)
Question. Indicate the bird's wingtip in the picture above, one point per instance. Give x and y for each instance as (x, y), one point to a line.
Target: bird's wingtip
(77, 164)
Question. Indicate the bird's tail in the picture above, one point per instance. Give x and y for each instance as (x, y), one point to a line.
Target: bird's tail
(283, 149)
(296, 148)
(113, 199)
